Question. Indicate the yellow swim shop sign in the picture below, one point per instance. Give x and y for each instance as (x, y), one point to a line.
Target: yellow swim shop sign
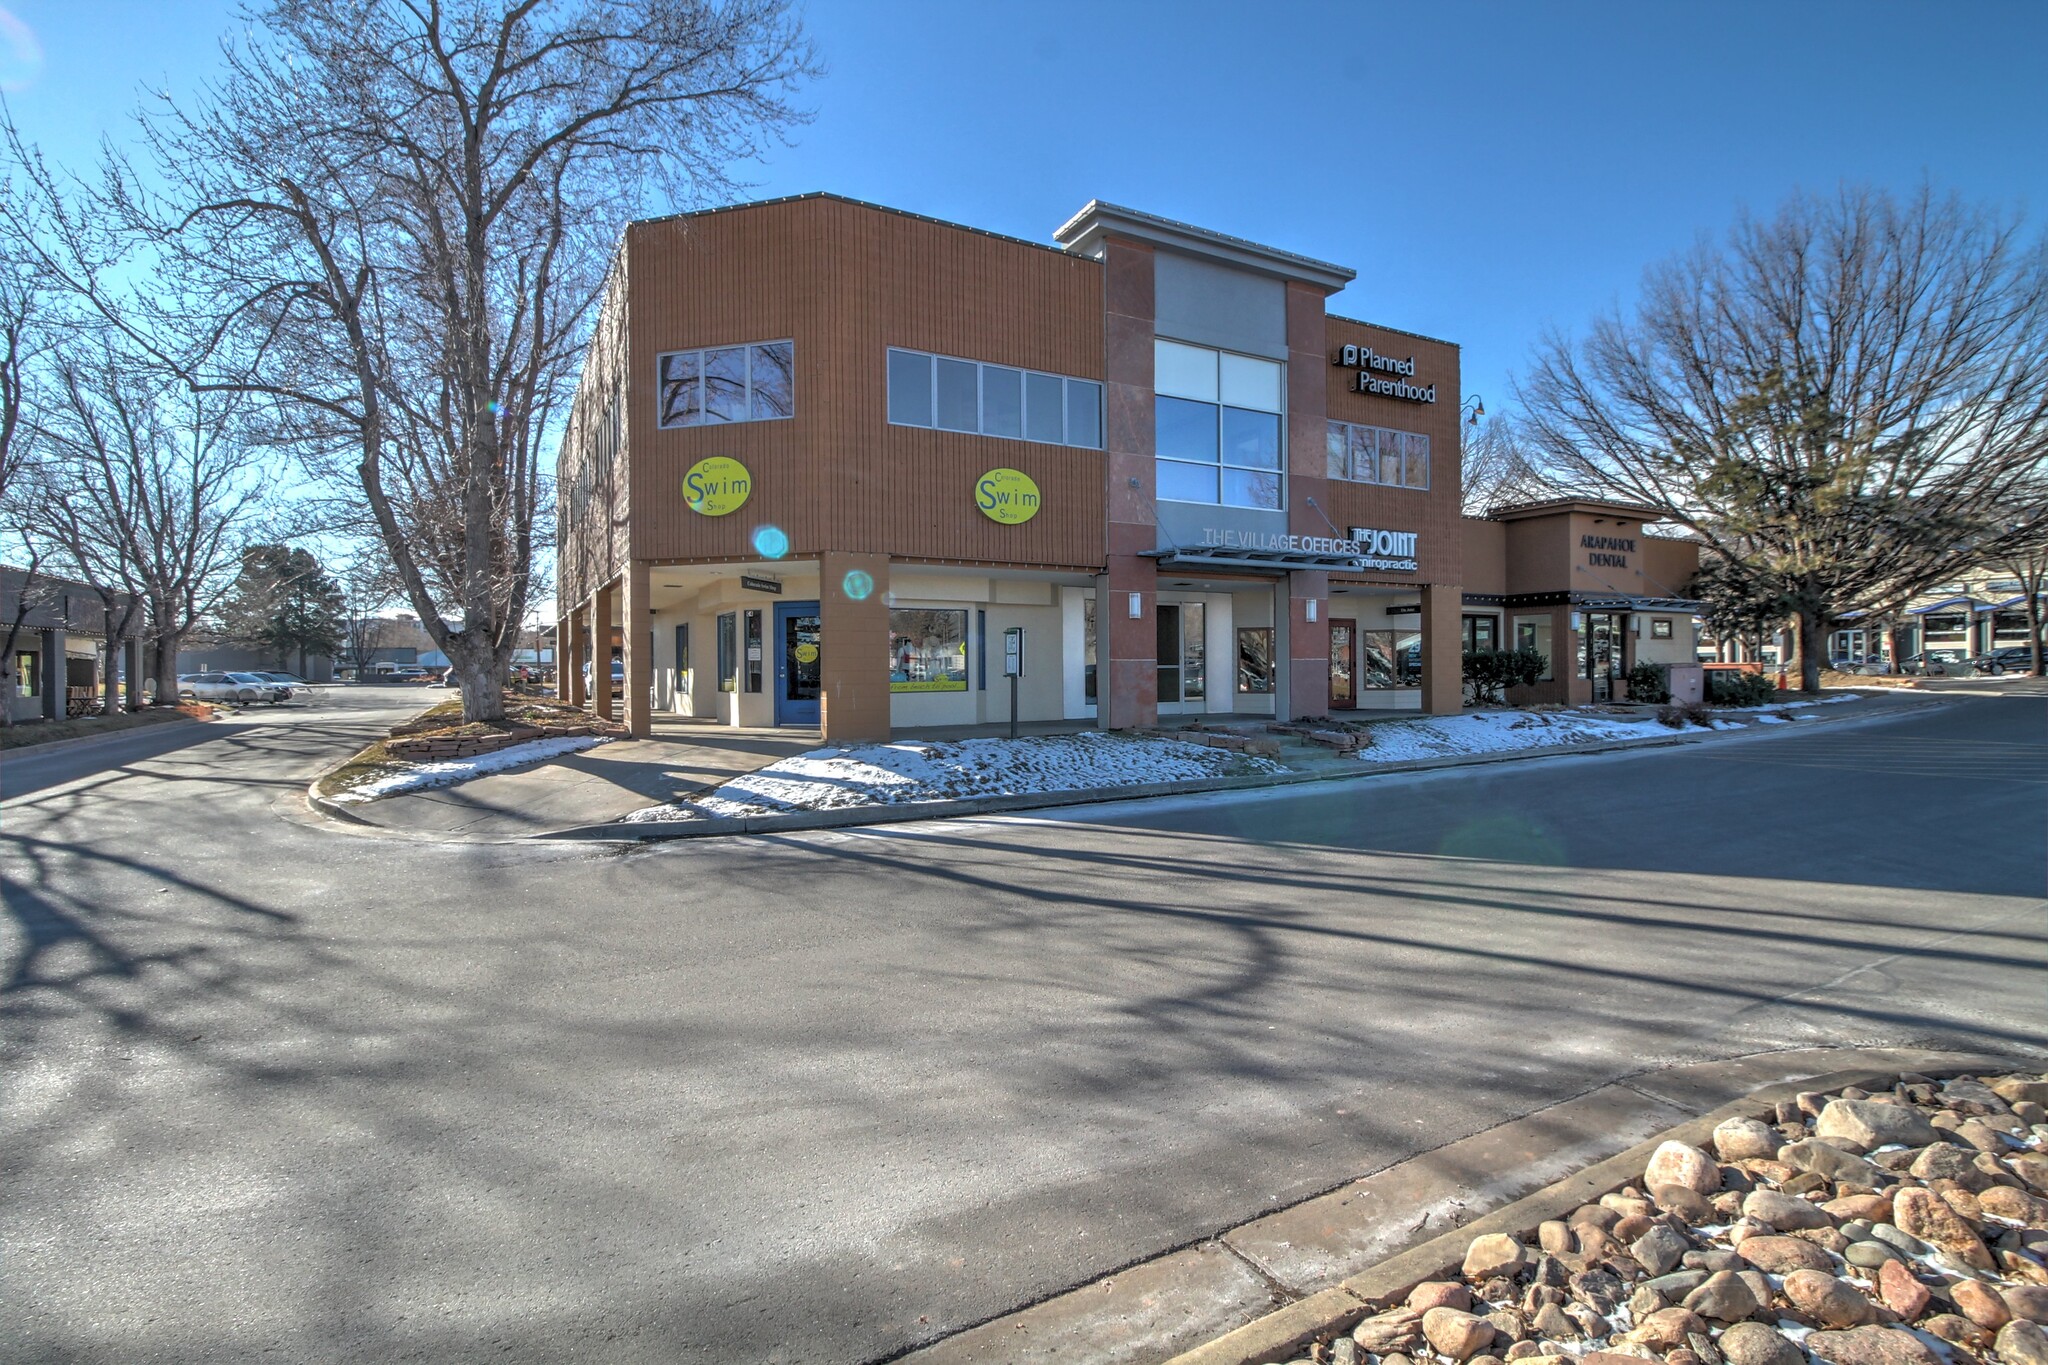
(717, 486)
(1006, 495)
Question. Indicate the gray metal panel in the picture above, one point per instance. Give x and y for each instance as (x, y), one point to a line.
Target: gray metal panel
(1214, 305)
(1188, 525)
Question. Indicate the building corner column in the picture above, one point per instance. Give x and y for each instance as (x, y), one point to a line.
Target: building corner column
(1307, 594)
(639, 655)
(853, 647)
(1127, 643)
(601, 606)
(56, 677)
(1443, 649)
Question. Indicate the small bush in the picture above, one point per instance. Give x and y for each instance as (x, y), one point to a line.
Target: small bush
(1489, 673)
(1727, 687)
(1680, 714)
(1649, 682)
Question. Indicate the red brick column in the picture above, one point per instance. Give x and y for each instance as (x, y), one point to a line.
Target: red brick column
(639, 663)
(1443, 649)
(1127, 672)
(600, 645)
(853, 646)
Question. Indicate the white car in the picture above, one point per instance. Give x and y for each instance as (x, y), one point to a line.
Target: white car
(243, 688)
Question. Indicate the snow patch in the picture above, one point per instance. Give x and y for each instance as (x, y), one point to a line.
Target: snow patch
(1485, 732)
(446, 772)
(907, 772)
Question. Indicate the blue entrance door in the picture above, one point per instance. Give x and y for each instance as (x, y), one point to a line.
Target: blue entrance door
(798, 662)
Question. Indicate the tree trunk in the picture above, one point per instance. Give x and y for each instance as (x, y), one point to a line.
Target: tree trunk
(1812, 646)
(480, 673)
(164, 648)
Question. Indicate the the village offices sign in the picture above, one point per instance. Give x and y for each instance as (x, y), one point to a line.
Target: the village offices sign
(1373, 549)
(1383, 375)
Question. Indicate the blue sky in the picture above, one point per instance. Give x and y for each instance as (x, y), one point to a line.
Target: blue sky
(1490, 169)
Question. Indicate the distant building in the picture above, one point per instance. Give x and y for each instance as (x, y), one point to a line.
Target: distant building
(61, 653)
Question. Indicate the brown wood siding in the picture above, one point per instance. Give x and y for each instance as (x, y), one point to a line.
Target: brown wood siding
(845, 281)
(1433, 513)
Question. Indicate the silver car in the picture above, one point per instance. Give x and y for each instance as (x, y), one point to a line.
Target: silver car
(243, 688)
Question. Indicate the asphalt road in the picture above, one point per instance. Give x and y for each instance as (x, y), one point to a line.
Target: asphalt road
(276, 1090)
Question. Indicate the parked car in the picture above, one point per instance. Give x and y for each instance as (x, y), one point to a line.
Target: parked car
(2011, 659)
(618, 677)
(1936, 663)
(241, 688)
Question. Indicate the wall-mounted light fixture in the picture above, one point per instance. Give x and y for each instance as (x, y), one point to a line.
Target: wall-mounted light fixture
(1137, 605)
(1311, 608)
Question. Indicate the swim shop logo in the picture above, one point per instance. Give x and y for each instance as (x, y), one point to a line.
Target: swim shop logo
(1372, 370)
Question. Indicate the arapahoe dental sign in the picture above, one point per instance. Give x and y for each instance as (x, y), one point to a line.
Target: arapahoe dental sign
(1383, 375)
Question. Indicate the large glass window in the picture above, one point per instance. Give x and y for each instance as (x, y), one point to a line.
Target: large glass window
(927, 649)
(1217, 426)
(1533, 632)
(28, 673)
(993, 400)
(1480, 633)
(752, 383)
(683, 659)
(1088, 648)
(1361, 454)
(1389, 658)
(1254, 659)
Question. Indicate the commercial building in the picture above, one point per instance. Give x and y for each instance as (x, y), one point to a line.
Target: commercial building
(835, 465)
(68, 637)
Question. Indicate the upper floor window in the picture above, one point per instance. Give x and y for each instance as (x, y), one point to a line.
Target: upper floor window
(1398, 459)
(1217, 420)
(993, 400)
(753, 383)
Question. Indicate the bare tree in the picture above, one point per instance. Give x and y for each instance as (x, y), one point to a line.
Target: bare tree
(389, 223)
(1498, 469)
(1828, 402)
(147, 493)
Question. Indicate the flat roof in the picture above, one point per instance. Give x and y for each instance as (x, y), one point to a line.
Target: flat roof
(1554, 506)
(1083, 233)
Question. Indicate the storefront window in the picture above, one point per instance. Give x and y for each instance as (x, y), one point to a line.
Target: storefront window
(1945, 629)
(927, 649)
(1389, 658)
(683, 659)
(753, 651)
(753, 383)
(728, 652)
(1254, 660)
(28, 673)
(1088, 647)
(1216, 424)
(1193, 651)
(1533, 632)
(993, 400)
(1479, 633)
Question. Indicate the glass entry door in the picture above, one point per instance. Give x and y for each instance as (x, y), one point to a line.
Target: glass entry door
(798, 662)
(1343, 664)
(1182, 655)
(1603, 653)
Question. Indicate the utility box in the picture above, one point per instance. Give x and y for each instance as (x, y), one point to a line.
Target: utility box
(1688, 682)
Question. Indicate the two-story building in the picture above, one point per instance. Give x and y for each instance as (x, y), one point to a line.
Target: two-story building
(838, 466)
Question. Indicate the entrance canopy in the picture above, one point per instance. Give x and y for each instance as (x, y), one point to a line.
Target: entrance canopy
(1628, 602)
(1268, 562)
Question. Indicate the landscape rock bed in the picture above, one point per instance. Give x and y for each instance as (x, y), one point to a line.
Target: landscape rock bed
(1905, 1227)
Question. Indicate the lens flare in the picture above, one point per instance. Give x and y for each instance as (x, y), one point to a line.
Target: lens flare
(858, 584)
(21, 56)
(771, 542)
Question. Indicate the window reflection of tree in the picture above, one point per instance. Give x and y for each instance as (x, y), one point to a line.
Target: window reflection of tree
(774, 380)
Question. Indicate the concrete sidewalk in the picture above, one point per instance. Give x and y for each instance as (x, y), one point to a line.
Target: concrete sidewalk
(596, 786)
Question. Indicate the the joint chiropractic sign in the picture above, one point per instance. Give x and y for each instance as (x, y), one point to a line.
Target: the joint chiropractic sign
(1383, 375)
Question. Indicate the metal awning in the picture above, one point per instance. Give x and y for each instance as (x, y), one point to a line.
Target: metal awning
(1946, 604)
(1274, 562)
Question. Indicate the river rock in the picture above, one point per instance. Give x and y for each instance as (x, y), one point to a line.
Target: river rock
(2003, 1201)
(1926, 1215)
(1555, 1237)
(2029, 1301)
(1967, 1096)
(1827, 1301)
(1455, 1333)
(1724, 1298)
(1870, 1255)
(1389, 1333)
(1980, 1303)
(1645, 1301)
(1683, 1202)
(1711, 1260)
(1743, 1139)
(1941, 1161)
(2015, 1089)
(1666, 1328)
(1752, 1343)
(1552, 1321)
(1982, 1136)
(1875, 1208)
(1833, 1163)
(1954, 1327)
(1783, 1212)
(1634, 1225)
(1872, 1346)
(1874, 1124)
(1783, 1255)
(1600, 1290)
(1509, 1326)
(1658, 1250)
(1681, 1163)
(1494, 1254)
(1678, 1283)
(1759, 1286)
(1439, 1294)
(1901, 1290)
(1889, 1234)
(1596, 1214)
(2022, 1343)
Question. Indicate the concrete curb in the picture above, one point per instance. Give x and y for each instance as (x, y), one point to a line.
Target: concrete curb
(1281, 1335)
(662, 831)
(1260, 1291)
(334, 810)
(56, 746)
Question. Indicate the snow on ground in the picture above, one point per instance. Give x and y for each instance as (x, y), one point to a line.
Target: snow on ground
(446, 772)
(911, 771)
(1488, 732)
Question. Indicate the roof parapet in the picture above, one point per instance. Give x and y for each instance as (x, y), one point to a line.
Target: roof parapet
(1083, 234)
